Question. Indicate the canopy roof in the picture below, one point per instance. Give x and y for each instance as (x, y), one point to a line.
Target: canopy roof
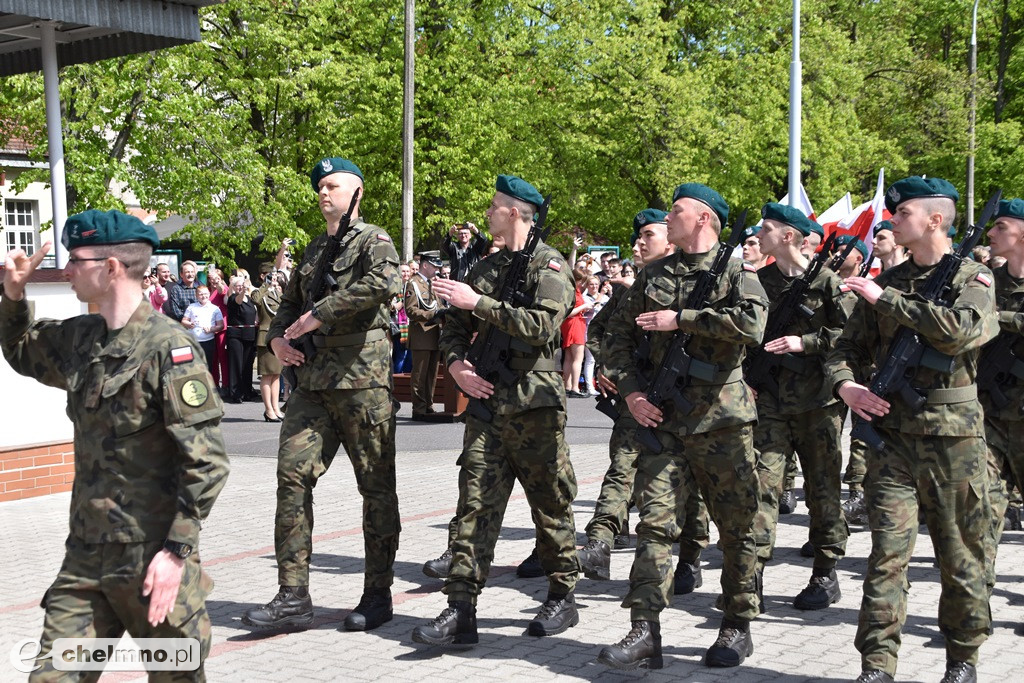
(91, 30)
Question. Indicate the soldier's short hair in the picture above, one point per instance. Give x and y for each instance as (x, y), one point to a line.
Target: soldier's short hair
(526, 209)
(943, 205)
(134, 255)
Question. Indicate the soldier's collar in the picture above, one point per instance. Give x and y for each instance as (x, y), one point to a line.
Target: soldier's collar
(686, 262)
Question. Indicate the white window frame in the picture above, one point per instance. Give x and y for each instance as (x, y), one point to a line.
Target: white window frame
(13, 228)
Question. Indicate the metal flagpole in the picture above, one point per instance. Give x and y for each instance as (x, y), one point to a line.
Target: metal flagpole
(795, 109)
(58, 188)
(408, 91)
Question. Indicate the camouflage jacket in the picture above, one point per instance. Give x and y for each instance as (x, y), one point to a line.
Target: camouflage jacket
(421, 306)
(801, 391)
(366, 272)
(149, 456)
(534, 328)
(734, 319)
(1009, 300)
(599, 324)
(959, 331)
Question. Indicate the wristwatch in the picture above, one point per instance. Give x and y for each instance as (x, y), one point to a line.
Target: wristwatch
(181, 550)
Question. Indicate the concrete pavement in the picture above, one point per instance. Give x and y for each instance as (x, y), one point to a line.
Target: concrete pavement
(237, 550)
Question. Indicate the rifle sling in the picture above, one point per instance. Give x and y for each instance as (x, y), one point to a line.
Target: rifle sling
(723, 377)
(953, 394)
(533, 364)
(356, 339)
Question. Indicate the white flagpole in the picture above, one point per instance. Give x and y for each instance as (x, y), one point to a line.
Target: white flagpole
(795, 110)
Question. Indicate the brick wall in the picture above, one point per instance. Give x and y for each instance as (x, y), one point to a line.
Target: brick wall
(36, 471)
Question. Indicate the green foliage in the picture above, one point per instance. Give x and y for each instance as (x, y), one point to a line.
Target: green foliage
(606, 105)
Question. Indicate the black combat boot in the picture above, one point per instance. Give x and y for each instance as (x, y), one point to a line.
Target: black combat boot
(855, 508)
(1012, 521)
(438, 569)
(640, 649)
(688, 578)
(875, 676)
(456, 625)
(787, 502)
(733, 645)
(530, 568)
(960, 672)
(596, 560)
(557, 615)
(759, 589)
(621, 541)
(822, 591)
(291, 607)
(374, 609)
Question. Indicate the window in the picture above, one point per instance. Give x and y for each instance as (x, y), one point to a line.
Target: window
(20, 229)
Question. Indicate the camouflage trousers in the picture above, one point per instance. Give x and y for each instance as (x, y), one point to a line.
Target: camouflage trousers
(792, 469)
(815, 437)
(857, 466)
(316, 425)
(720, 465)
(946, 476)
(1005, 461)
(423, 379)
(612, 509)
(529, 447)
(98, 594)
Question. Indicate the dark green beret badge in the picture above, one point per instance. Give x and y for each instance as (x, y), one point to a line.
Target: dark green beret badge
(648, 216)
(916, 187)
(332, 165)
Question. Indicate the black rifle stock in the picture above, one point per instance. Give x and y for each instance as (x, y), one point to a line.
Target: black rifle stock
(491, 351)
(677, 365)
(762, 367)
(907, 352)
(1000, 367)
(322, 281)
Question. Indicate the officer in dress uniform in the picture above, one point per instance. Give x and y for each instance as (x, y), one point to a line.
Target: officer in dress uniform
(425, 313)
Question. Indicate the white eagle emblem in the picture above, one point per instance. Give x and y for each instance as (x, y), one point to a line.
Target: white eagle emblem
(326, 165)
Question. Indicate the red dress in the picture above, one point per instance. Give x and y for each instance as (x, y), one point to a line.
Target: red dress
(574, 328)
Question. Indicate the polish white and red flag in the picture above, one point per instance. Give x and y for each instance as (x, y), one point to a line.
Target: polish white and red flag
(861, 222)
(802, 202)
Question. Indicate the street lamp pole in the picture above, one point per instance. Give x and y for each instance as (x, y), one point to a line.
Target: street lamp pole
(972, 71)
(795, 109)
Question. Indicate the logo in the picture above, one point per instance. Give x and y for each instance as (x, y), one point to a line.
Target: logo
(894, 195)
(110, 654)
(555, 266)
(88, 233)
(983, 279)
(194, 393)
(326, 165)
(181, 355)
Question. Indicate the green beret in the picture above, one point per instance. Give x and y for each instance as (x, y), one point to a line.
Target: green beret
(514, 186)
(648, 216)
(1011, 208)
(816, 228)
(95, 228)
(916, 187)
(884, 225)
(951, 232)
(788, 215)
(332, 165)
(431, 257)
(705, 195)
(843, 240)
(751, 231)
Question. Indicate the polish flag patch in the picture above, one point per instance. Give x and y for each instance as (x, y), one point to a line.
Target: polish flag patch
(844, 288)
(383, 238)
(749, 268)
(181, 355)
(555, 266)
(983, 279)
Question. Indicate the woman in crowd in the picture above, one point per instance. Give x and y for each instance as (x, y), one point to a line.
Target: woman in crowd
(267, 298)
(242, 316)
(219, 298)
(574, 337)
(593, 296)
(205, 321)
(401, 357)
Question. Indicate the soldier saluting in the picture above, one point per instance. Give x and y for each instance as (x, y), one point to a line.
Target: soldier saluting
(934, 455)
(149, 456)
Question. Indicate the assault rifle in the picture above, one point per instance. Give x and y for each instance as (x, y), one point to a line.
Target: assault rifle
(762, 367)
(678, 366)
(320, 283)
(907, 352)
(865, 268)
(839, 258)
(1000, 367)
(491, 352)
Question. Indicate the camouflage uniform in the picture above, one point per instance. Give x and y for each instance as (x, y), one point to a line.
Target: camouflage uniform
(149, 463)
(714, 440)
(1004, 428)
(805, 418)
(525, 440)
(424, 333)
(934, 459)
(611, 512)
(343, 399)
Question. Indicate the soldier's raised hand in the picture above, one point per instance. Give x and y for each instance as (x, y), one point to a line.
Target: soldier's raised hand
(18, 268)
